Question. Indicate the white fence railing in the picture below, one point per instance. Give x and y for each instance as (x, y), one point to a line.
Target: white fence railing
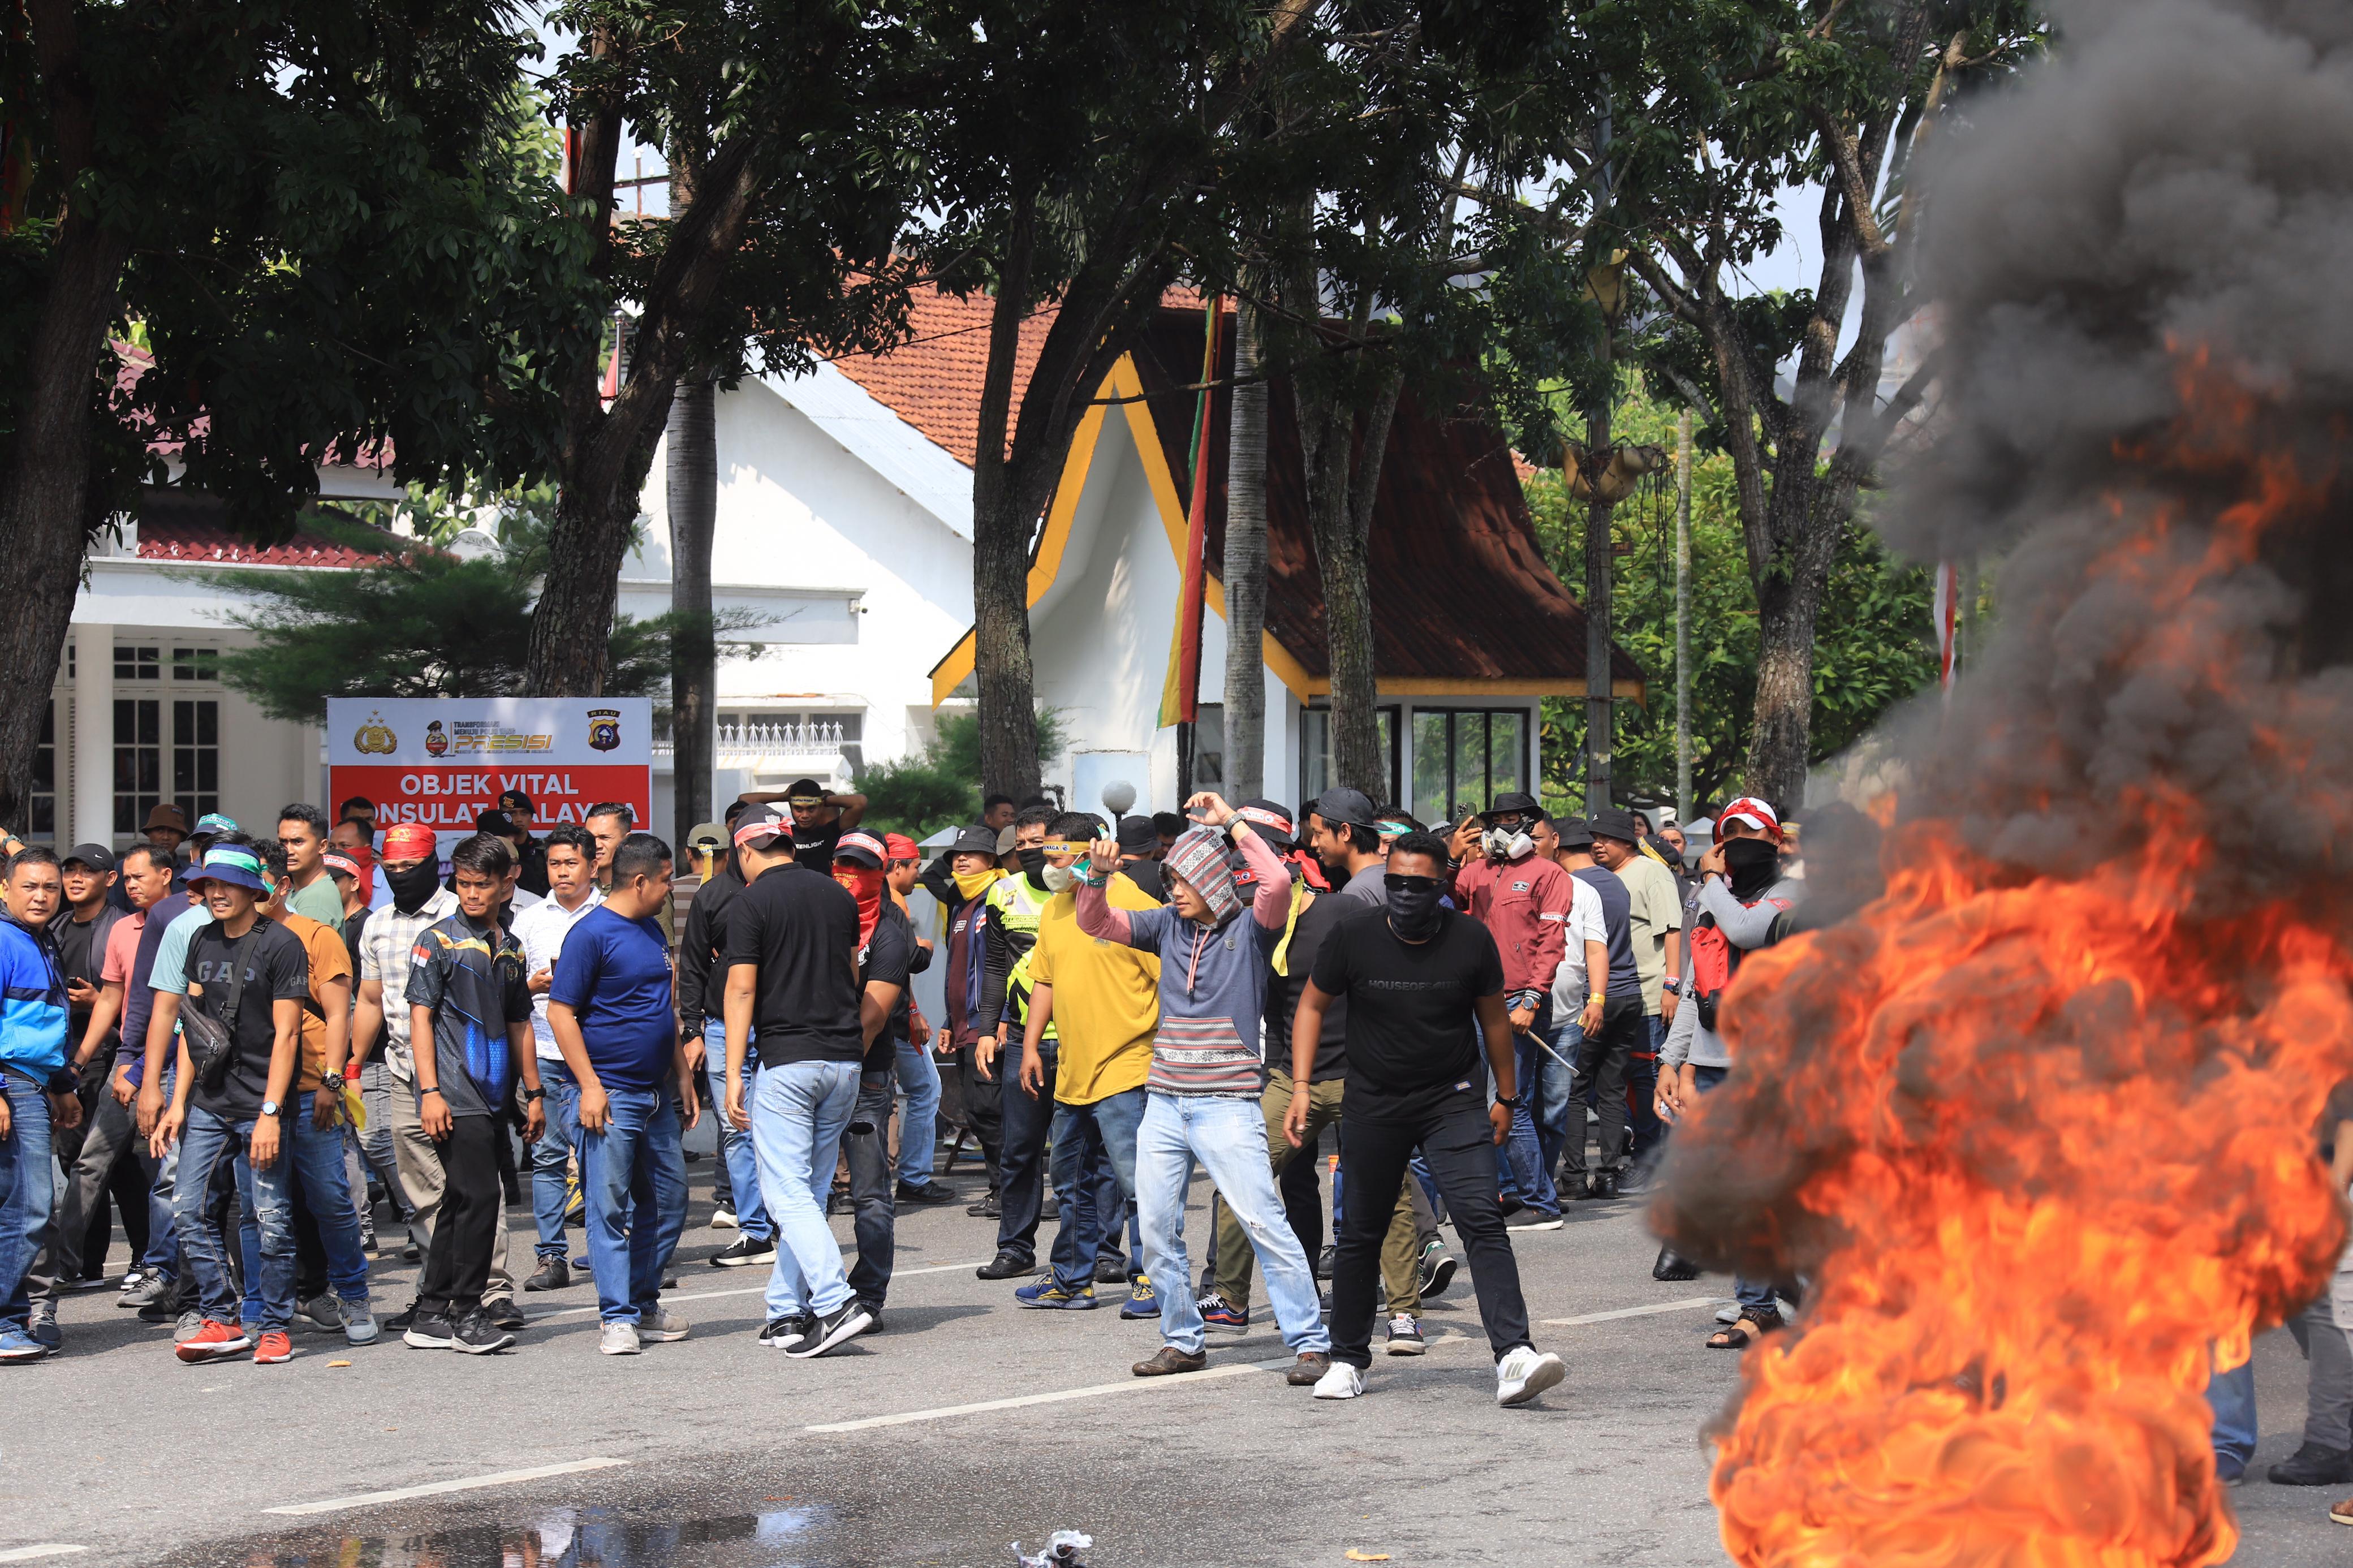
(744, 745)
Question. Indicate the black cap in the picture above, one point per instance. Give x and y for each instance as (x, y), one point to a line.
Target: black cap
(1138, 835)
(495, 822)
(1514, 800)
(1614, 822)
(97, 856)
(512, 800)
(1344, 807)
(976, 840)
(1575, 834)
(1272, 818)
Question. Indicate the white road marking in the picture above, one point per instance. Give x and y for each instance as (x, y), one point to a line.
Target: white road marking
(400, 1494)
(1689, 1303)
(46, 1549)
(759, 1289)
(1133, 1385)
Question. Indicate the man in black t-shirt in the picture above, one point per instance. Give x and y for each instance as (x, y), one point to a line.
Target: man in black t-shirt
(1424, 984)
(793, 984)
(882, 973)
(251, 977)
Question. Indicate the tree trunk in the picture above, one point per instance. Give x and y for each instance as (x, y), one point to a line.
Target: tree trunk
(1245, 567)
(1600, 711)
(1004, 515)
(693, 481)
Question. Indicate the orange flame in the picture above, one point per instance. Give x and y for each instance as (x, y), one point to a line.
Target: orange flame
(2069, 1163)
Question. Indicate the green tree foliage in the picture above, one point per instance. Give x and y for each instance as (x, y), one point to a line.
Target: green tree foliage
(919, 795)
(1875, 645)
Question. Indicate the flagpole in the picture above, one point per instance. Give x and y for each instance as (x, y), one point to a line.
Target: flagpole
(1192, 601)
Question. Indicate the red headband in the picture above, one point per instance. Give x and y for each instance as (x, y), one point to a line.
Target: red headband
(410, 839)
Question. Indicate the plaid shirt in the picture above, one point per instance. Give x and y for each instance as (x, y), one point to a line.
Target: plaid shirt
(386, 946)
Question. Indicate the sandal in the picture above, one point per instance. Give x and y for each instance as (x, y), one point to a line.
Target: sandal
(1754, 1325)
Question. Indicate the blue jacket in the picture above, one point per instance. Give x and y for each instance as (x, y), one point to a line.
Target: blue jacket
(32, 1006)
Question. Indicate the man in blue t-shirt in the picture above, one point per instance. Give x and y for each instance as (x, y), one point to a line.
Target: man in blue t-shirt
(610, 1006)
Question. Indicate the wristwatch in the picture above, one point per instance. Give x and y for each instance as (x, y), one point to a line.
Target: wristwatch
(531, 1094)
(1511, 1101)
(268, 1108)
(1675, 986)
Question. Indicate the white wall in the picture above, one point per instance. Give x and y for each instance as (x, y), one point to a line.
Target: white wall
(806, 528)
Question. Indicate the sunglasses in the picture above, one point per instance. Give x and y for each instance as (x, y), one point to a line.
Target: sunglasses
(1397, 882)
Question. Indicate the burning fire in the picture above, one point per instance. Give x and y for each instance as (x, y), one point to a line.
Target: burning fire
(2043, 1139)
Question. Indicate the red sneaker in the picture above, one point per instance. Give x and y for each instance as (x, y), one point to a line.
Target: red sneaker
(212, 1341)
(273, 1346)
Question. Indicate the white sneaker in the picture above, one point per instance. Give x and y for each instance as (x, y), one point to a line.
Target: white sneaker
(359, 1323)
(1342, 1382)
(724, 1220)
(1523, 1374)
(661, 1327)
(618, 1339)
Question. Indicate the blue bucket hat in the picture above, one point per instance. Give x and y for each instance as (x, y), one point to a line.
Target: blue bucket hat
(231, 863)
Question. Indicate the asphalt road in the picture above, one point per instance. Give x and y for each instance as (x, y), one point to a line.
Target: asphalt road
(717, 1452)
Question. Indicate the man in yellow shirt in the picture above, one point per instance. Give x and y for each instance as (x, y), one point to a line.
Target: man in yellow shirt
(1103, 1000)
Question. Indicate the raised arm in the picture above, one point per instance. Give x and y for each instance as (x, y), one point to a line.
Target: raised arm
(1270, 902)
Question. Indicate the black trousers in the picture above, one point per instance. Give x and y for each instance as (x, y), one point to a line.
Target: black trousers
(1601, 1062)
(982, 1107)
(1021, 1158)
(466, 1232)
(1459, 1143)
(866, 1144)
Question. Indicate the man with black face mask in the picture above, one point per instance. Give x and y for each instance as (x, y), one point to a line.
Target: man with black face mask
(1744, 903)
(1424, 985)
(1016, 904)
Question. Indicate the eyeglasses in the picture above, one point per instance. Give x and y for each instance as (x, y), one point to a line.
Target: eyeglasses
(1397, 882)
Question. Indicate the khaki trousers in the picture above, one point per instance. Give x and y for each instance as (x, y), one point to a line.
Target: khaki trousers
(1400, 1249)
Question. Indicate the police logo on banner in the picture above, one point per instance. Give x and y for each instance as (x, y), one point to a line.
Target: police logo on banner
(604, 729)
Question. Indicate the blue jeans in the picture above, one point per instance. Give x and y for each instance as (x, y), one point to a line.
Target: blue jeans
(1749, 1292)
(318, 1156)
(1226, 1137)
(919, 1121)
(1530, 1161)
(551, 1158)
(205, 1140)
(2232, 1396)
(1109, 1128)
(799, 1111)
(27, 1188)
(162, 1228)
(735, 1148)
(633, 1178)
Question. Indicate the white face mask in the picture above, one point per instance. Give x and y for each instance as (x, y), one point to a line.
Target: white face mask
(1507, 846)
(1058, 878)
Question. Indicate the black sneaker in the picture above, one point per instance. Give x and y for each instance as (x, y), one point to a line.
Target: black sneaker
(554, 1274)
(839, 1327)
(1437, 1271)
(1324, 1262)
(743, 1250)
(403, 1319)
(1605, 1185)
(503, 1313)
(428, 1331)
(783, 1334)
(926, 1192)
(2314, 1466)
(1006, 1266)
(988, 1208)
(478, 1333)
(873, 1316)
(1110, 1271)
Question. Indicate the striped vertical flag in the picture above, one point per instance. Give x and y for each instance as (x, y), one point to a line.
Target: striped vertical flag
(1181, 693)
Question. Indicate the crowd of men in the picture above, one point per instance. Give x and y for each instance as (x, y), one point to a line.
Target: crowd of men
(243, 1044)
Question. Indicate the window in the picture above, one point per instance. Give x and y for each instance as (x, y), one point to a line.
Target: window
(1316, 753)
(1464, 757)
(196, 757)
(138, 759)
(195, 664)
(773, 733)
(137, 664)
(41, 815)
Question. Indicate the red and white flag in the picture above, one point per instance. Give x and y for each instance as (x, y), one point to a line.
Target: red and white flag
(1948, 611)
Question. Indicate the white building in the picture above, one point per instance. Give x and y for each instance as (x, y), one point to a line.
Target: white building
(844, 526)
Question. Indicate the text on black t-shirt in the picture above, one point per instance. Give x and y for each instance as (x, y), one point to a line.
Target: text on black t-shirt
(276, 969)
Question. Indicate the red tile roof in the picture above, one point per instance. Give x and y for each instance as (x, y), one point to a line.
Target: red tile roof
(207, 544)
(932, 381)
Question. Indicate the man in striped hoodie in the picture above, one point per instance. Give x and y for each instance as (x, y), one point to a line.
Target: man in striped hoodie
(1209, 1069)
